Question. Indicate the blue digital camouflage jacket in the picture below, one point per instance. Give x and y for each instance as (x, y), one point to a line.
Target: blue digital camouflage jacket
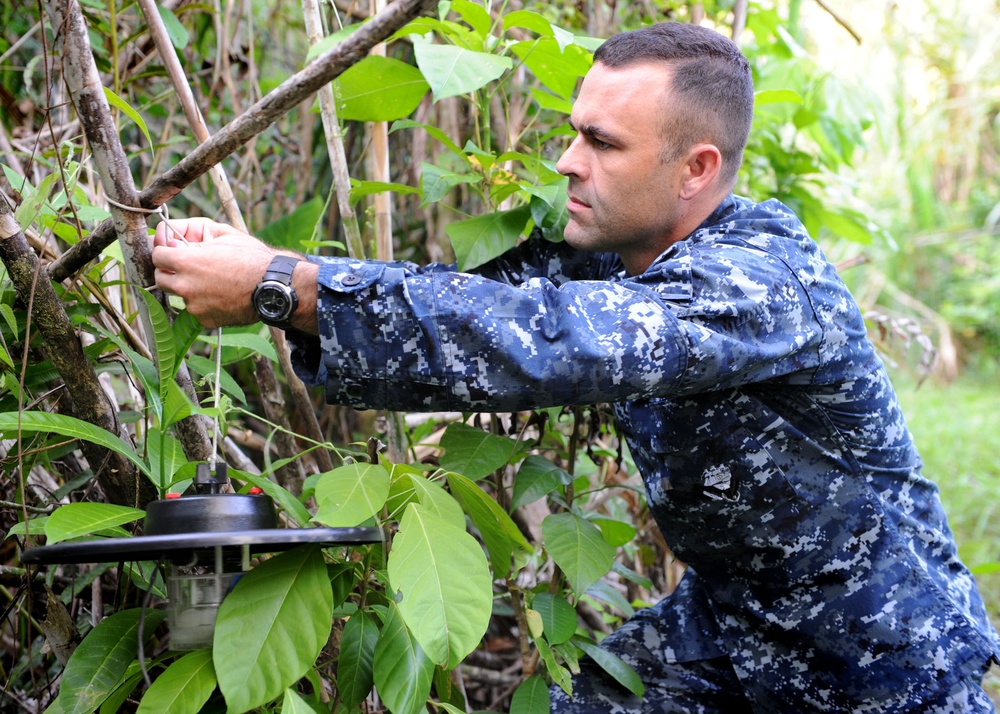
(775, 456)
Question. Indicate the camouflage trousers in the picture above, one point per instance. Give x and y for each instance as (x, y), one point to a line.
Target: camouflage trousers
(710, 686)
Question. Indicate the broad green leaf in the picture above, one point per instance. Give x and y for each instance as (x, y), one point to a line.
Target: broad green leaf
(379, 89)
(166, 456)
(551, 102)
(78, 519)
(436, 182)
(557, 67)
(578, 548)
(558, 617)
(10, 318)
(119, 103)
(480, 239)
(429, 494)
(500, 534)
(529, 20)
(5, 358)
(280, 495)
(452, 70)
(292, 703)
(536, 478)
(245, 340)
(166, 350)
(559, 674)
(611, 595)
(293, 229)
(777, 96)
(355, 666)
(616, 533)
(204, 367)
(360, 189)
(99, 662)
(403, 672)
(431, 130)
(441, 575)
(351, 494)
(531, 697)
(473, 452)
(34, 200)
(115, 703)
(34, 526)
(331, 41)
(183, 687)
(475, 15)
(186, 330)
(272, 626)
(613, 665)
(177, 33)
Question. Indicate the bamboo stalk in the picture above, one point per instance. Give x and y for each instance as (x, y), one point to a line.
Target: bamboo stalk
(256, 119)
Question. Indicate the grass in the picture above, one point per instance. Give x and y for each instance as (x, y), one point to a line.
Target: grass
(957, 430)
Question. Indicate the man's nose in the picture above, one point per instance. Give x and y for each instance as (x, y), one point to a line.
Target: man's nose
(569, 164)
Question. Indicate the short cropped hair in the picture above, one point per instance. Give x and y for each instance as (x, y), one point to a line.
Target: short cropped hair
(711, 86)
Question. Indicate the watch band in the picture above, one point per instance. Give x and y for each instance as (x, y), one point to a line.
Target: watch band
(281, 269)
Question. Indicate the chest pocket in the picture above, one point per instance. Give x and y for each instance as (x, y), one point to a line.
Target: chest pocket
(714, 489)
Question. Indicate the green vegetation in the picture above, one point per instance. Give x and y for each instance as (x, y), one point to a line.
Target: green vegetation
(538, 511)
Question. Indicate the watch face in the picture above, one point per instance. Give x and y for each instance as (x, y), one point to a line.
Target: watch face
(273, 302)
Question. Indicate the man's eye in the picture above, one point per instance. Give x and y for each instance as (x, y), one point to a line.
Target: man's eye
(601, 145)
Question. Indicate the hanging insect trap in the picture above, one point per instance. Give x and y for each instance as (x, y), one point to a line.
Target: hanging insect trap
(206, 539)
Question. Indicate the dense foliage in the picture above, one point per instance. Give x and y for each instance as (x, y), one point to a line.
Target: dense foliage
(518, 540)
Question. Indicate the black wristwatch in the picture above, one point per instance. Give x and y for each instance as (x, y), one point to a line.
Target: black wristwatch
(274, 299)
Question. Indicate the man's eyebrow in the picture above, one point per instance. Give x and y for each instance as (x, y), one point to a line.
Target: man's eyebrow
(593, 131)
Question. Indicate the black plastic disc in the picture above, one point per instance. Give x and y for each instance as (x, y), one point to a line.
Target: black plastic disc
(153, 547)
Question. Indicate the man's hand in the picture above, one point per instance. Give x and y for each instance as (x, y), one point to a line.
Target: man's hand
(215, 268)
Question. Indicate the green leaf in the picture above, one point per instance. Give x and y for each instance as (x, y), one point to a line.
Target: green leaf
(412, 486)
(558, 617)
(78, 519)
(611, 595)
(403, 672)
(529, 20)
(777, 96)
(559, 674)
(351, 494)
(34, 200)
(331, 41)
(613, 665)
(246, 340)
(475, 15)
(186, 330)
(436, 182)
(177, 33)
(379, 89)
(473, 452)
(536, 478)
(452, 70)
(578, 548)
(616, 533)
(272, 626)
(294, 704)
(166, 456)
(355, 666)
(280, 495)
(165, 349)
(441, 575)
(480, 239)
(557, 67)
(119, 103)
(183, 687)
(31, 422)
(498, 531)
(293, 229)
(204, 367)
(531, 697)
(100, 661)
(360, 189)
(433, 131)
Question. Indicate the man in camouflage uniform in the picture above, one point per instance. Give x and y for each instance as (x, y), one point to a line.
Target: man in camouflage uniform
(824, 577)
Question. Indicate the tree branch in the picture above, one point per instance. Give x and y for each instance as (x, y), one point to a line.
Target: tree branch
(256, 119)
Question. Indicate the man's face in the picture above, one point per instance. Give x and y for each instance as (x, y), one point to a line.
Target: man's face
(622, 197)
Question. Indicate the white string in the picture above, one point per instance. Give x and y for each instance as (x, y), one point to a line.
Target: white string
(217, 395)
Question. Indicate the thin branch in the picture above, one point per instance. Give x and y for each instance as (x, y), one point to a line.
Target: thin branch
(840, 21)
(256, 119)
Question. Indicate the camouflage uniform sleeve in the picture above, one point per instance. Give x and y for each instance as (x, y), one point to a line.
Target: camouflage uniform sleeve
(395, 336)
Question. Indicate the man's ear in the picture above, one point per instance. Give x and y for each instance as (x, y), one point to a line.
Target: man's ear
(701, 170)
